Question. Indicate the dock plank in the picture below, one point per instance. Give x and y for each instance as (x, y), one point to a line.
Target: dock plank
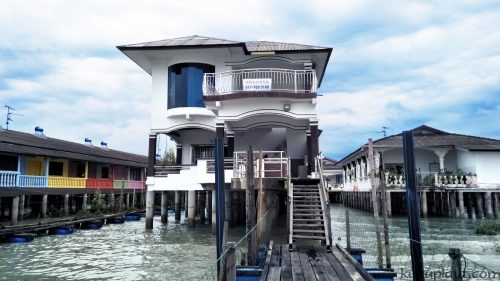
(339, 268)
(286, 264)
(321, 263)
(297, 274)
(274, 272)
(351, 270)
(307, 269)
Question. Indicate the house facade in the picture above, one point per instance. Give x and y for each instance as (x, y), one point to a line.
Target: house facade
(258, 93)
(34, 161)
(442, 160)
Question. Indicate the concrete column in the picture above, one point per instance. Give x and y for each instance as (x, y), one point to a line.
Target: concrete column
(479, 205)
(84, 202)
(425, 211)
(134, 199)
(470, 205)
(186, 203)
(389, 207)
(461, 207)
(198, 203)
(209, 206)
(164, 207)
(14, 210)
(66, 204)
(177, 206)
(127, 200)
(201, 206)
(44, 205)
(488, 204)
(214, 216)
(150, 202)
(191, 207)
(151, 157)
(21, 207)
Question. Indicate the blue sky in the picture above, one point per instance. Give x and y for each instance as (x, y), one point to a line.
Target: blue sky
(398, 64)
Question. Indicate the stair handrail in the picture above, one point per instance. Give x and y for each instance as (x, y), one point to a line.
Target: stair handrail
(290, 214)
(325, 202)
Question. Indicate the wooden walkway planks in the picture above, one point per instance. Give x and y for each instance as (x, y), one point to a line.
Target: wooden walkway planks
(311, 263)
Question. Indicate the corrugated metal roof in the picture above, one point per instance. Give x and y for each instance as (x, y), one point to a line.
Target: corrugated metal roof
(203, 41)
(25, 143)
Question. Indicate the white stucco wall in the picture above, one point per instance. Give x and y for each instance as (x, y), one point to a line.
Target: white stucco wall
(296, 143)
(466, 161)
(488, 168)
(265, 138)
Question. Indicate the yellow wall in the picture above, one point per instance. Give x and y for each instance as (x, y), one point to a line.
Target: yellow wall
(35, 166)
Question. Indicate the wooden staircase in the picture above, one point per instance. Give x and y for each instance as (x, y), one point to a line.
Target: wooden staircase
(307, 211)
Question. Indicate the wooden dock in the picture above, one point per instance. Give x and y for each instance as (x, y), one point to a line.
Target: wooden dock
(312, 263)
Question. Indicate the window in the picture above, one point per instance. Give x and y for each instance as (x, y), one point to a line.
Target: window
(202, 152)
(185, 84)
(105, 172)
(80, 170)
(135, 174)
(56, 168)
(8, 163)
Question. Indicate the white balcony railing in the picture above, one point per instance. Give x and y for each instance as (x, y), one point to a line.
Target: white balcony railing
(274, 164)
(8, 178)
(260, 79)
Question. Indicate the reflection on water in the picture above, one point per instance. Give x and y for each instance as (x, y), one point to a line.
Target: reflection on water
(176, 252)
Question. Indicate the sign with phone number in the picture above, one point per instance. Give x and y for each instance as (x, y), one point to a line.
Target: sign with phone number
(263, 84)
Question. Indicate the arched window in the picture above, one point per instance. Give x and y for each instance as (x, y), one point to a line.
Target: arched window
(185, 84)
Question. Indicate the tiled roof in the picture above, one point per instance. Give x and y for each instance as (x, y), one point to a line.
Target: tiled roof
(202, 41)
(29, 144)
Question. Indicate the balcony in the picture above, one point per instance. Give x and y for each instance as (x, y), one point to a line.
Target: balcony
(128, 184)
(8, 178)
(64, 182)
(32, 181)
(99, 183)
(260, 80)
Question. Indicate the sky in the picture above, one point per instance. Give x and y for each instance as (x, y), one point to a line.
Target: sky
(398, 64)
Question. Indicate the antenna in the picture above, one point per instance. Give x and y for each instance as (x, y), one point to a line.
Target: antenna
(9, 114)
(384, 131)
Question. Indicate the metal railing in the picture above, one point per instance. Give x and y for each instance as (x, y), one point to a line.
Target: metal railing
(325, 202)
(100, 183)
(32, 181)
(65, 182)
(128, 184)
(279, 80)
(274, 164)
(228, 165)
(165, 170)
(8, 178)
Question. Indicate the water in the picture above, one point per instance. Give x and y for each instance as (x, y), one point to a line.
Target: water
(176, 252)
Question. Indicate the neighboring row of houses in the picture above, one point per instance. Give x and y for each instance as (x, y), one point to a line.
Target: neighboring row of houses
(31, 162)
(442, 160)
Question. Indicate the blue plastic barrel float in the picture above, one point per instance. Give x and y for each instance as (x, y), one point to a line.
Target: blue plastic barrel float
(132, 217)
(93, 224)
(357, 254)
(116, 220)
(21, 237)
(382, 274)
(248, 273)
(63, 230)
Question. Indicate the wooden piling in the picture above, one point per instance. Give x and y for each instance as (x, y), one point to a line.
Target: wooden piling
(228, 202)
(214, 215)
(202, 206)
(150, 201)
(456, 265)
(470, 205)
(230, 262)
(164, 207)
(177, 207)
(186, 203)
(250, 210)
(348, 230)
(261, 206)
(14, 210)
(375, 183)
(488, 204)
(44, 205)
(389, 202)
(208, 201)
(494, 202)
(191, 198)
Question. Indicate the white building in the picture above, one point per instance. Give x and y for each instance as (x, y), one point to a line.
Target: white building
(261, 93)
(442, 160)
